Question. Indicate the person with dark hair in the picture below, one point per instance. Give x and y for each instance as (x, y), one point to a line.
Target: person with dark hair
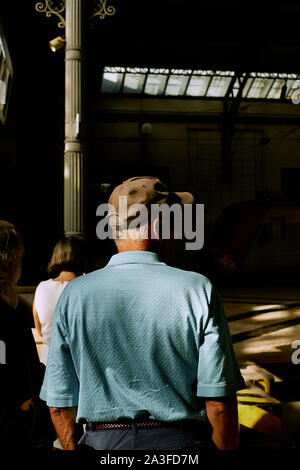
(11, 253)
(22, 413)
(67, 262)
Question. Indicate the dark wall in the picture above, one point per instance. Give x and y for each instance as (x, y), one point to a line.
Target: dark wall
(172, 33)
(254, 35)
(32, 140)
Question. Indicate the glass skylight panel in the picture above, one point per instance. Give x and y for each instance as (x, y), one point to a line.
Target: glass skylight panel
(114, 69)
(224, 73)
(2, 59)
(203, 72)
(275, 91)
(159, 71)
(218, 86)
(197, 86)
(198, 83)
(181, 71)
(259, 88)
(236, 87)
(111, 82)
(136, 70)
(133, 82)
(1, 51)
(247, 87)
(290, 76)
(176, 85)
(155, 84)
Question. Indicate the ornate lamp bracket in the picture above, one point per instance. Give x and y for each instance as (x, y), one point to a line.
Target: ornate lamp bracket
(51, 7)
(57, 7)
(102, 10)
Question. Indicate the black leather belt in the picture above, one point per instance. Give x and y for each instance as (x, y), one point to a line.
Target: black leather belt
(142, 424)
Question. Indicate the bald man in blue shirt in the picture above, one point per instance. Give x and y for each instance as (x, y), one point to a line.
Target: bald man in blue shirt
(140, 351)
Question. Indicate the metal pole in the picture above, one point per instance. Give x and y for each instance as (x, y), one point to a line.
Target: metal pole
(74, 154)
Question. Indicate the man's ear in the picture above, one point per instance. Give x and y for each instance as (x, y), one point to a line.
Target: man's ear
(155, 228)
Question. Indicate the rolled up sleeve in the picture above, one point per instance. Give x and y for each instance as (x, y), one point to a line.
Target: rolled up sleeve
(218, 371)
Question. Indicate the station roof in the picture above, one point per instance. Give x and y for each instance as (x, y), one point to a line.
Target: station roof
(200, 83)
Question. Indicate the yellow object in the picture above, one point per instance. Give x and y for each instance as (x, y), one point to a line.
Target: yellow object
(255, 411)
(261, 420)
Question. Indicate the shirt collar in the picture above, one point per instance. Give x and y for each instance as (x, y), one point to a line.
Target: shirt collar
(133, 257)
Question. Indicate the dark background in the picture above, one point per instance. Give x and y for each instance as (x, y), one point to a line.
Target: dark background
(178, 33)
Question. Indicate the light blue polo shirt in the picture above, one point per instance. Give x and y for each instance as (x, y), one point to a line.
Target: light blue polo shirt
(139, 336)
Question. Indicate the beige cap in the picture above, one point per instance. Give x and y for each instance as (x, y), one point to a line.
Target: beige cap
(146, 190)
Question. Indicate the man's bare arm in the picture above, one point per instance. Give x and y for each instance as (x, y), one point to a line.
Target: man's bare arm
(222, 414)
(68, 431)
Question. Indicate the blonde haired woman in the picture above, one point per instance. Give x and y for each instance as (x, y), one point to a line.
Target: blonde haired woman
(67, 262)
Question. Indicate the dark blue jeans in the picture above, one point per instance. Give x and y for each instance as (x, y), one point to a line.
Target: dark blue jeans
(184, 436)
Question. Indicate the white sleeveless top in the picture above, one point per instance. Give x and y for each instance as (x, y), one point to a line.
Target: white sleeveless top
(46, 297)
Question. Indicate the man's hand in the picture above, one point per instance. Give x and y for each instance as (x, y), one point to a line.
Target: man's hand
(68, 431)
(222, 414)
